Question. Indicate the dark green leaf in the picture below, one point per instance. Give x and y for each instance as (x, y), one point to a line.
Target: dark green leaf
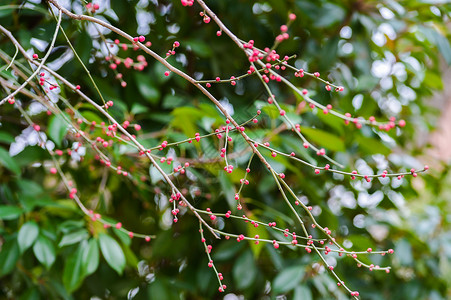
(6, 138)
(8, 162)
(30, 155)
(83, 45)
(29, 188)
(9, 255)
(228, 189)
(30, 294)
(199, 47)
(161, 289)
(147, 88)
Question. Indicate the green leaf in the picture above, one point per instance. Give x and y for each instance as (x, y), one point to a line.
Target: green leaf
(9, 212)
(28, 234)
(333, 123)
(6, 10)
(91, 257)
(302, 292)
(185, 119)
(252, 231)
(171, 101)
(288, 279)
(433, 80)
(228, 189)
(73, 274)
(403, 252)
(8, 162)
(371, 146)
(73, 238)
(271, 111)
(44, 251)
(30, 294)
(323, 139)
(6, 138)
(244, 265)
(30, 155)
(124, 238)
(162, 288)
(138, 109)
(112, 252)
(9, 255)
(328, 15)
(441, 42)
(29, 188)
(226, 251)
(63, 208)
(83, 45)
(199, 47)
(329, 52)
(91, 116)
(147, 88)
(57, 129)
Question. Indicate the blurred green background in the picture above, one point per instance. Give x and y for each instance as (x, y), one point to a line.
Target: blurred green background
(392, 57)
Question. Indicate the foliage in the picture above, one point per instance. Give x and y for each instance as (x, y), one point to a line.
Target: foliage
(386, 55)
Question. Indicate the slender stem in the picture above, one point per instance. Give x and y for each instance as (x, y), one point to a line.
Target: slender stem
(52, 44)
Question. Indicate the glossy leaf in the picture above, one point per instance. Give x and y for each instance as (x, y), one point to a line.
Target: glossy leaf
(44, 250)
(57, 129)
(288, 278)
(91, 257)
(73, 237)
(323, 139)
(28, 234)
(73, 273)
(112, 252)
(9, 212)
